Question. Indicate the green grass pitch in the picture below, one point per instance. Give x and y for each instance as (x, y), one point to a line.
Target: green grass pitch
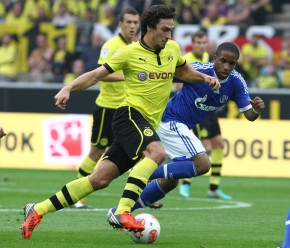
(254, 219)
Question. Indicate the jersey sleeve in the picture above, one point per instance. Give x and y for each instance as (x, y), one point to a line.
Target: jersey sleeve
(241, 95)
(117, 61)
(180, 61)
(106, 53)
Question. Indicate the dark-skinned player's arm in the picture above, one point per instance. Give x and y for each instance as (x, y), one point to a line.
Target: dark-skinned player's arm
(257, 107)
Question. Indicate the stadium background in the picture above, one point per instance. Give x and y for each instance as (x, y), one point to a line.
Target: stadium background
(34, 126)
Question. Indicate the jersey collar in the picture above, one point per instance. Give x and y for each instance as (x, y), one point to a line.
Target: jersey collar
(123, 39)
(220, 80)
(143, 44)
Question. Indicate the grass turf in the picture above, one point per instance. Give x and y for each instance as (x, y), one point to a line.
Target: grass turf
(254, 219)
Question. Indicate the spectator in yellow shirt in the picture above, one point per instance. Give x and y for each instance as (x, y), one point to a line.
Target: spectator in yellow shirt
(16, 16)
(285, 62)
(270, 77)
(8, 59)
(31, 8)
(78, 68)
(254, 56)
(213, 17)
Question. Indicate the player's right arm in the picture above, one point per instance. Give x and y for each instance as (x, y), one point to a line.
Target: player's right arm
(114, 78)
(82, 82)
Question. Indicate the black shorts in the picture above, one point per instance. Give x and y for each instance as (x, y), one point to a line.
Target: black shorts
(132, 135)
(102, 134)
(208, 128)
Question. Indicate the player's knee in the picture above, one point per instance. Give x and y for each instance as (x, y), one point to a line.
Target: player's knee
(162, 156)
(202, 165)
(99, 180)
(155, 152)
(100, 183)
(204, 168)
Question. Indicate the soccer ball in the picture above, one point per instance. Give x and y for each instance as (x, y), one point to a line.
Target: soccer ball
(151, 231)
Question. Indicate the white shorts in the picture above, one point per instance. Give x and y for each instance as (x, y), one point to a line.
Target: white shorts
(178, 141)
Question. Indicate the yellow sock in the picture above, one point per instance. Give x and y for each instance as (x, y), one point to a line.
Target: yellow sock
(216, 166)
(86, 167)
(136, 182)
(68, 195)
(187, 180)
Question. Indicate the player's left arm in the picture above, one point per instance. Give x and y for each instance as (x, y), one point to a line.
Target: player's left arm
(257, 108)
(191, 75)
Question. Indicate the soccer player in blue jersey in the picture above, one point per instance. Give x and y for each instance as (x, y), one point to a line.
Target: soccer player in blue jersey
(187, 108)
(286, 242)
(208, 130)
(148, 66)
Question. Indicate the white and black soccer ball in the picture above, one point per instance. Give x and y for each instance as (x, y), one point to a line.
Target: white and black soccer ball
(151, 231)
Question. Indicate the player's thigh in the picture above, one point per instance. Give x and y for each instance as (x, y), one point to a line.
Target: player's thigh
(178, 141)
(119, 157)
(102, 134)
(133, 132)
(104, 174)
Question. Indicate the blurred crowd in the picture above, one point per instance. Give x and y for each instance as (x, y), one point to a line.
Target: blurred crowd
(58, 64)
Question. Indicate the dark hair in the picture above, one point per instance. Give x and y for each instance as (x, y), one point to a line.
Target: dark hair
(198, 34)
(130, 11)
(152, 16)
(228, 46)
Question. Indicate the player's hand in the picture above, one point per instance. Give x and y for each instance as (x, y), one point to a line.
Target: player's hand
(257, 104)
(212, 82)
(2, 133)
(62, 97)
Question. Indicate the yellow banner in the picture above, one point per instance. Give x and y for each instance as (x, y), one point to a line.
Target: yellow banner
(44, 141)
(61, 141)
(260, 148)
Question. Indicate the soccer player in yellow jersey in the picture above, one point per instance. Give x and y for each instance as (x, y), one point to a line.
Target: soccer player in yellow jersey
(199, 48)
(110, 97)
(148, 67)
(208, 130)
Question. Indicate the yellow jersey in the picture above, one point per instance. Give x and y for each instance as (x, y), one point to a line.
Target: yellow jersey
(8, 60)
(190, 57)
(111, 93)
(148, 76)
(257, 52)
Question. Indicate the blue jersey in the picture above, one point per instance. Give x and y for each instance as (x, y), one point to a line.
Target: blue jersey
(195, 101)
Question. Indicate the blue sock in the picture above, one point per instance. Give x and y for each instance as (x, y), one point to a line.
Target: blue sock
(175, 170)
(286, 243)
(150, 194)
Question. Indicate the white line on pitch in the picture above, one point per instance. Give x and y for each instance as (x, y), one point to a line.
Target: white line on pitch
(232, 204)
